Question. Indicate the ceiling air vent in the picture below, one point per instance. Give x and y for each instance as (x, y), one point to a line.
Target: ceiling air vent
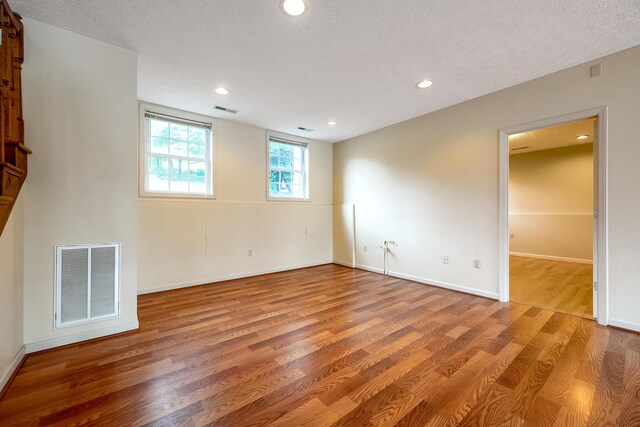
(305, 129)
(225, 109)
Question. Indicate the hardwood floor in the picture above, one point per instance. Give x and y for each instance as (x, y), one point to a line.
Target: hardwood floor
(334, 346)
(555, 285)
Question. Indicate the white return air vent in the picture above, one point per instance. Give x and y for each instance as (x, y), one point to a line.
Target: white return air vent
(87, 283)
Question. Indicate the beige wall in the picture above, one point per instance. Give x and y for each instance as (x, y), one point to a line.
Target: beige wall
(551, 203)
(81, 118)
(11, 303)
(431, 183)
(186, 242)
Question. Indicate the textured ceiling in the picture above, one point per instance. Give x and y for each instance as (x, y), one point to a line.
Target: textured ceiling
(551, 137)
(353, 61)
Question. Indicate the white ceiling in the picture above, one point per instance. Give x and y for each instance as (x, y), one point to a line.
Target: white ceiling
(354, 61)
(551, 137)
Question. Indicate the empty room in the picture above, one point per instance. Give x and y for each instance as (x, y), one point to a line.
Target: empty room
(319, 213)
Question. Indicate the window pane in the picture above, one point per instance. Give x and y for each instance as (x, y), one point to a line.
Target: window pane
(197, 139)
(297, 164)
(159, 145)
(180, 132)
(286, 162)
(197, 177)
(159, 128)
(178, 148)
(158, 173)
(273, 161)
(274, 177)
(179, 186)
(179, 170)
(285, 183)
(285, 150)
(273, 189)
(297, 152)
(273, 148)
(179, 175)
(197, 133)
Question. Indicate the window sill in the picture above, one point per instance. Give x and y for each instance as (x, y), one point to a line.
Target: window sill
(174, 196)
(287, 199)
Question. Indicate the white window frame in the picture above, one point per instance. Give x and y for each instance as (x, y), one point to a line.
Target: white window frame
(143, 165)
(293, 140)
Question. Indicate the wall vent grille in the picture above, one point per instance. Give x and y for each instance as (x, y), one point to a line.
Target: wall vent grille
(87, 283)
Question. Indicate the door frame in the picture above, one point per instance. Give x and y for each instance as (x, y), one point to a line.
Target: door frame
(600, 256)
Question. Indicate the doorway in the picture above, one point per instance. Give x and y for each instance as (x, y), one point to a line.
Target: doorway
(552, 222)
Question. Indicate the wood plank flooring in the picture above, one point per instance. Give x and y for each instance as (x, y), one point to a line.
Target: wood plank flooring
(555, 285)
(332, 346)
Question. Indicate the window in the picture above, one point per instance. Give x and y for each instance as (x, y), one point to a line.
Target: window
(288, 169)
(177, 154)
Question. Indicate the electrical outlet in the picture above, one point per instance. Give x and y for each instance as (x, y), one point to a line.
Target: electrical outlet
(250, 252)
(366, 248)
(512, 236)
(476, 263)
(445, 259)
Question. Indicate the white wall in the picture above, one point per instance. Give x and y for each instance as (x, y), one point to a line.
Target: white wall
(431, 183)
(551, 203)
(11, 292)
(183, 242)
(81, 118)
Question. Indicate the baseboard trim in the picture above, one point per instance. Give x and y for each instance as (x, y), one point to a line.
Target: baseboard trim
(11, 370)
(624, 325)
(422, 280)
(225, 278)
(82, 336)
(371, 269)
(445, 285)
(552, 258)
(344, 264)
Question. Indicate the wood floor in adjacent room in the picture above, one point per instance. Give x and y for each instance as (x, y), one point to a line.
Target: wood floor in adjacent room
(556, 285)
(333, 346)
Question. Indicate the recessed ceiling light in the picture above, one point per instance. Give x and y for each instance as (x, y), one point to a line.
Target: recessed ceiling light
(222, 91)
(582, 137)
(424, 84)
(292, 7)
(332, 123)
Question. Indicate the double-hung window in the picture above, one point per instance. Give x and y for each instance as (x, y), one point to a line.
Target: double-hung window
(288, 176)
(176, 154)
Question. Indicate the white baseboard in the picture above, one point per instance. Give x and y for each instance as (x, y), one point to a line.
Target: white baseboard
(624, 325)
(82, 336)
(450, 286)
(9, 370)
(224, 278)
(371, 269)
(344, 264)
(552, 258)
